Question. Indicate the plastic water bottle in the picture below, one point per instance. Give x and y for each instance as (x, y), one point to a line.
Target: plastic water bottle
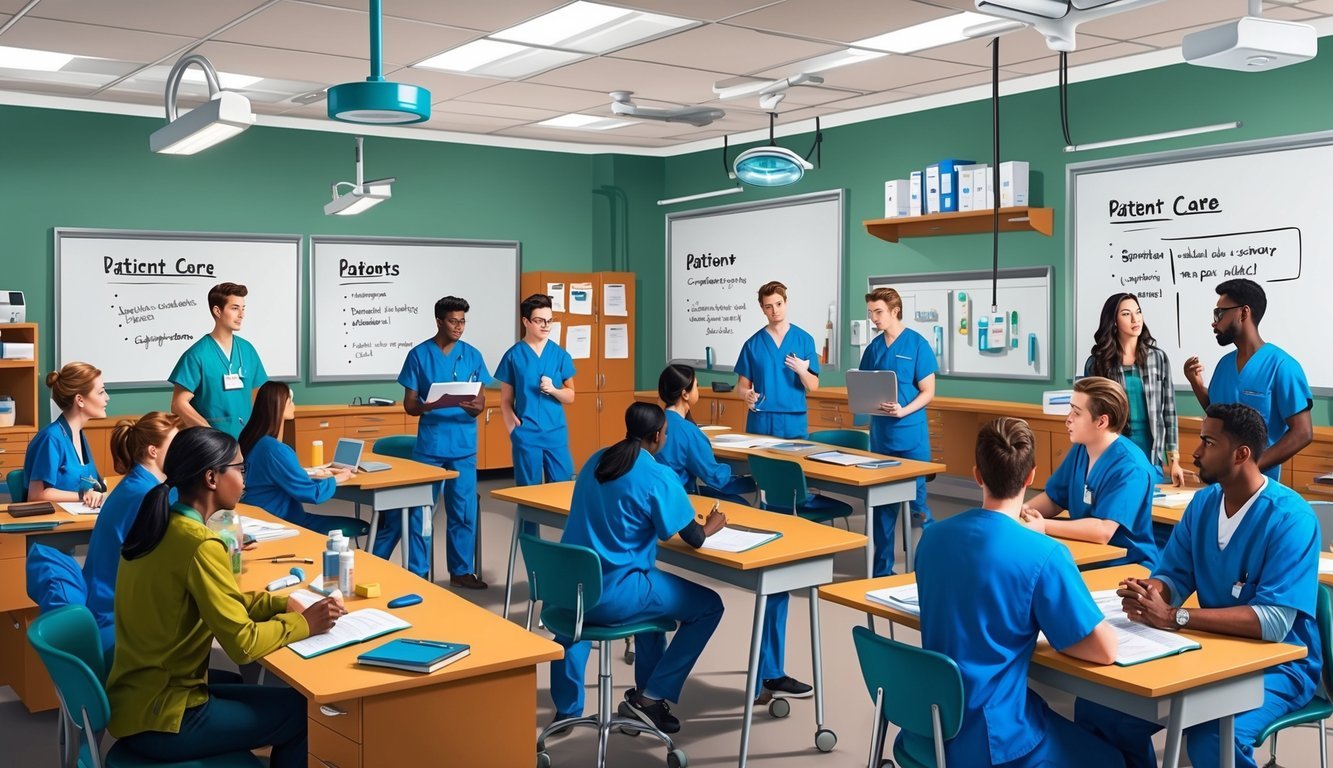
(227, 525)
(330, 579)
(346, 567)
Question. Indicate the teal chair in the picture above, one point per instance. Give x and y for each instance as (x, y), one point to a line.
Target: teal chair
(782, 488)
(567, 579)
(917, 690)
(68, 643)
(1319, 709)
(843, 438)
(18, 486)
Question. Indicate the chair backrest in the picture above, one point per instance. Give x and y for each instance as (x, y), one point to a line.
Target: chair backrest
(562, 575)
(912, 680)
(781, 482)
(397, 446)
(845, 438)
(69, 644)
(18, 486)
(1323, 512)
(1324, 620)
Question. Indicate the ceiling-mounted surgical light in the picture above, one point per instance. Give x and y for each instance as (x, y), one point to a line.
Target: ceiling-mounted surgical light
(773, 166)
(224, 115)
(361, 195)
(376, 101)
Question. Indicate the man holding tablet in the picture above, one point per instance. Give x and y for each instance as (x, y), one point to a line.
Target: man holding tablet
(216, 378)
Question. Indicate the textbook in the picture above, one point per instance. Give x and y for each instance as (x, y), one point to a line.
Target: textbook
(423, 656)
(352, 628)
(1138, 642)
(262, 530)
(902, 598)
(25, 527)
(738, 538)
(842, 459)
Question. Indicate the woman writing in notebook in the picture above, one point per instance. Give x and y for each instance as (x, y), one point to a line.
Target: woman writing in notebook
(275, 480)
(689, 454)
(58, 465)
(175, 594)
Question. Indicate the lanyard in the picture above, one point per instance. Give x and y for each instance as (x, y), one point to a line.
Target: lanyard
(226, 362)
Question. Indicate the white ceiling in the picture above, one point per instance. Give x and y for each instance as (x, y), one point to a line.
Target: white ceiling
(299, 47)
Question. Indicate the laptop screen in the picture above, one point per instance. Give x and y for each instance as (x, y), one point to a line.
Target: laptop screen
(348, 452)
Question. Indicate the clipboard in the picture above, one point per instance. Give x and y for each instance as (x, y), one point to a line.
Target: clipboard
(867, 389)
(453, 392)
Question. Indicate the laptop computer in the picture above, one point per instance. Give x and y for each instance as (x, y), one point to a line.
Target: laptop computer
(348, 456)
(867, 389)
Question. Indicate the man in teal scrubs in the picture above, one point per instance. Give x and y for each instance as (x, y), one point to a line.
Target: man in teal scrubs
(216, 378)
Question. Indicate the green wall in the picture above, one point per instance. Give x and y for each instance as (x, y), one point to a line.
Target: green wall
(859, 158)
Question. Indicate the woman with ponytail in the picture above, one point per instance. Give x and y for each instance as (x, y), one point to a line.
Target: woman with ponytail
(138, 450)
(689, 454)
(58, 465)
(624, 502)
(175, 593)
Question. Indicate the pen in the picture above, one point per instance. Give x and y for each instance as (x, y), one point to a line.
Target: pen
(431, 643)
(306, 560)
(273, 557)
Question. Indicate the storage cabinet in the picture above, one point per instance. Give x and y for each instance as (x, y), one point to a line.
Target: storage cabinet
(18, 380)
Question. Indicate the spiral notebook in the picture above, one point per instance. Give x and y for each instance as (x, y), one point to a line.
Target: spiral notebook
(414, 655)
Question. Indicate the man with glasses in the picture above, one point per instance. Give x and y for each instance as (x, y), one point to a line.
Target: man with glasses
(536, 383)
(446, 437)
(1257, 374)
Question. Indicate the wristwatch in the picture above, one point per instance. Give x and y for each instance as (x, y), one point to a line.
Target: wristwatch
(1182, 617)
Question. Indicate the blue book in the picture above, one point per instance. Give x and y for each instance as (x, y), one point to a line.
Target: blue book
(414, 655)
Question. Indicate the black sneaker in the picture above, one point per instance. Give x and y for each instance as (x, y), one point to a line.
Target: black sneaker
(789, 687)
(658, 713)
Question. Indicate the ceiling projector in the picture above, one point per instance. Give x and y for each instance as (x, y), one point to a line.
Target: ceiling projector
(1250, 44)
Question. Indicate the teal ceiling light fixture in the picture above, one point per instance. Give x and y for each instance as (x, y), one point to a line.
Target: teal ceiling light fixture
(771, 165)
(376, 101)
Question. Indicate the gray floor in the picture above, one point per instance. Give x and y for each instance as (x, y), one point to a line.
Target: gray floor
(711, 705)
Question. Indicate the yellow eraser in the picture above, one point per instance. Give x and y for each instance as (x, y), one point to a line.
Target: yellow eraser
(368, 590)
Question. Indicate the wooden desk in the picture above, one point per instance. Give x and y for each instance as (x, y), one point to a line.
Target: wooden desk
(1218, 681)
(406, 485)
(801, 559)
(890, 485)
(480, 710)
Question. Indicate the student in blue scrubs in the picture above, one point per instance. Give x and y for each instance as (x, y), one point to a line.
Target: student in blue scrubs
(446, 437)
(1256, 373)
(689, 454)
(275, 481)
(987, 586)
(536, 383)
(776, 367)
(899, 429)
(1104, 481)
(1248, 548)
(138, 450)
(216, 377)
(624, 502)
(58, 465)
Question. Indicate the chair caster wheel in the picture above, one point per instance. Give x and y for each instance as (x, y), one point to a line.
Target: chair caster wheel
(629, 657)
(825, 740)
(543, 760)
(779, 707)
(676, 759)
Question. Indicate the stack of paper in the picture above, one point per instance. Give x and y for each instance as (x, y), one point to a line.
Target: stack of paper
(840, 458)
(745, 441)
(735, 538)
(1174, 499)
(902, 598)
(1326, 565)
(1138, 642)
(78, 508)
(261, 530)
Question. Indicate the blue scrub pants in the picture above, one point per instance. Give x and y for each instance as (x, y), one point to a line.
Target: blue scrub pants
(541, 454)
(460, 512)
(730, 492)
(659, 669)
(235, 717)
(773, 642)
(390, 531)
(789, 426)
(910, 443)
(1133, 737)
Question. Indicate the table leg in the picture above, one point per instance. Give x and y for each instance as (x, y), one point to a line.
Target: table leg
(374, 527)
(1226, 731)
(870, 540)
(752, 673)
(513, 556)
(1174, 733)
(816, 658)
(905, 523)
(405, 539)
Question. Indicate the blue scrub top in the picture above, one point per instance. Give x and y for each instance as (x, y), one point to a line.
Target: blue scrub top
(1272, 383)
(118, 513)
(763, 362)
(1119, 488)
(276, 482)
(987, 586)
(1274, 551)
(51, 458)
(622, 520)
(689, 454)
(522, 369)
(444, 433)
(912, 359)
(201, 370)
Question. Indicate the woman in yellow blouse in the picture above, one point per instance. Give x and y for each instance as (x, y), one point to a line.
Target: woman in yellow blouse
(174, 594)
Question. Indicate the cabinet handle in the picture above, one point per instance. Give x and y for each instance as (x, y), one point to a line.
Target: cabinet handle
(328, 710)
(599, 403)
(323, 425)
(488, 415)
(326, 763)
(721, 409)
(373, 418)
(4, 450)
(364, 430)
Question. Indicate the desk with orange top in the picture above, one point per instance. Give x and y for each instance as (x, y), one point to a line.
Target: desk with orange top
(802, 558)
(405, 486)
(1218, 681)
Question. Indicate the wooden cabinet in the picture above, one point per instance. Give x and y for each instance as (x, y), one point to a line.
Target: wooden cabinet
(18, 380)
(493, 448)
(585, 433)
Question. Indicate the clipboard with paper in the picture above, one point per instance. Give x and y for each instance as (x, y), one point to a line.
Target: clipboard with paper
(867, 389)
(453, 392)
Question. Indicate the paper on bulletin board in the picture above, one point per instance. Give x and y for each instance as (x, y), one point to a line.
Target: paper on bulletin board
(580, 298)
(615, 300)
(578, 343)
(557, 293)
(555, 334)
(616, 344)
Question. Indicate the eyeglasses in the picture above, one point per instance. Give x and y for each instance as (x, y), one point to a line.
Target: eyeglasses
(457, 323)
(540, 322)
(239, 466)
(1218, 312)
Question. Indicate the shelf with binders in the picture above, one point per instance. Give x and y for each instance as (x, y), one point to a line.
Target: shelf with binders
(1017, 219)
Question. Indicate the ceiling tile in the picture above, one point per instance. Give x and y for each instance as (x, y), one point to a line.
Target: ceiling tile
(725, 49)
(442, 85)
(192, 19)
(1172, 38)
(342, 32)
(11, 7)
(8, 83)
(1289, 13)
(449, 121)
(540, 97)
(482, 109)
(1051, 63)
(1318, 6)
(567, 134)
(870, 100)
(955, 83)
(854, 20)
(1023, 45)
(705, 10)
(647, 80)
(288, 65)
(1162, 17)
(91, 40)
(886, 72)
(470, 14)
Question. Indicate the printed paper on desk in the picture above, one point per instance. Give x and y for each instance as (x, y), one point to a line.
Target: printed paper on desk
(266, 531)
(578, 342)
(745, 441)
(78, 508)
(738, 539)
(557, 293)
(615, 305)
(902, 597)
(580, 298)
(352, 628)
(616, 344)
(1325, 566)
(1138, 642)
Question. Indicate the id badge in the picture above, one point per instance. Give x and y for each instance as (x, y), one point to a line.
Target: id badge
(1087, 495)
(1236, 588)
(232, 381)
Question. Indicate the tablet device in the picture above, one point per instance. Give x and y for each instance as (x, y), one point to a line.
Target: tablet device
(867, 389)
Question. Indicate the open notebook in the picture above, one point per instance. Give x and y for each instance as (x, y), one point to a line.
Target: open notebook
(737, 538)
(350, 629)
(902, 598)
(1138, 643)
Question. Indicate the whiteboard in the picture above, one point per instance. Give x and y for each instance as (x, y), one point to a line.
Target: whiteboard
(131, 302)
(947, 309)
(718, 257)
(373, 299)
(1264, 215)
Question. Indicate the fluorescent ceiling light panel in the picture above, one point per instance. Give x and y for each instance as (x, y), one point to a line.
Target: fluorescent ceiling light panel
(834, 60)
(584, 122)
(28, 58)
(225, 79)
(492, 58)
(932, 34)
(592, 28)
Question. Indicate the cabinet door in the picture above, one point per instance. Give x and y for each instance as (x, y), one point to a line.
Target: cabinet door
(301, 432)
(1041, 450)
(611, 407)
(614, 374)
(584, 430)
(731, 412)
(493, 447)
